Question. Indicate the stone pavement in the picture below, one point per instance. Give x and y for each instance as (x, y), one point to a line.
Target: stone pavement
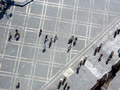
(24, 60)
(93, 70)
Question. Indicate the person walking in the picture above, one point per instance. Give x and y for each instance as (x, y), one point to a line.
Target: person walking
(59, 85)
(10, 36)
(74, 43)
(115, 34)
(44, 49)
(84, 60)
(108, 60)
(50, 43)
(78, 68)
(18, 85)
(46, 39)
(64, 80)
(55, 38)
(68, 87)
(118, 31)
(119, 53)
(40, 32)
(81, 63)
(71, 40)
(17, 35)
(69, 48)
(99, 48)
(96, 50)
(99, 59)
(110, 57)
(65, 86)
(111, 54)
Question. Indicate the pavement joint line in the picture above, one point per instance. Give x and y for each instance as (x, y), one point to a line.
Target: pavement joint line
(6, 40)
(106, 12)
(16, 67)
(49, 3)
(56, 29)
(34, 51)
(97, 12)
(114, 1)
(89, 21)
(34, 68)
(9, 72)
(86, 49)
(107, 9)
(73, 26)
(57, 22)
(91, 17)
(54, 46)
(63, 5)
(3, 89)
(104, 20)
(24, 77)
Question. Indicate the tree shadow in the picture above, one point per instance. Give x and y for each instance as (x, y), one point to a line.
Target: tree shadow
(5, 7)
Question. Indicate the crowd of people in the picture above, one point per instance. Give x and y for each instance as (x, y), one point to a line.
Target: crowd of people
(71, 42)
(97, 50)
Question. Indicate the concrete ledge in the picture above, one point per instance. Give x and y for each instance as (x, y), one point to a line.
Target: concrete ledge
(18, 2)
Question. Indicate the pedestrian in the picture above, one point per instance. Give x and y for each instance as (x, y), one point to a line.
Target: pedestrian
(115, 34)
(110, 57)
(108, 60)
(84, 60)
(46, 39)
(18, 85)
(111, 54)
(55, 38)
(40, 32)
(50, 43)
(64, 80)
(74, 43)
(71, 40)
(78, 68)
(69, 48)
(16, 33)
(44, 49)
(99, 48)
(119, 53)
(118, 31)
(8, 15)
(60, 83)
(96, 50)
(10, 37)
(65, 86)
(99, 59)
(18, 36)
(81, 63)
(68, 87)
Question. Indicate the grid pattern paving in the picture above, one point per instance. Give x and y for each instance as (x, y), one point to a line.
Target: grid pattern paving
(24, 61)
(93, 69)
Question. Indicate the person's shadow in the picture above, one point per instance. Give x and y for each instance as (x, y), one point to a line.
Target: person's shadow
(5, 6)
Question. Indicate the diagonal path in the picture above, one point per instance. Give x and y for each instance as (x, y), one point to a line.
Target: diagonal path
(92, 70)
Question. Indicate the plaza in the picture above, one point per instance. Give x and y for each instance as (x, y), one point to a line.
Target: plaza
(24, 60)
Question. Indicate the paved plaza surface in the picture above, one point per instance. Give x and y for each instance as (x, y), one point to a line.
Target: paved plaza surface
(93, 69)
(24, 61)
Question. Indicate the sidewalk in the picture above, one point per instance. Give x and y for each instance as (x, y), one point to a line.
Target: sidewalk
(93, 69)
